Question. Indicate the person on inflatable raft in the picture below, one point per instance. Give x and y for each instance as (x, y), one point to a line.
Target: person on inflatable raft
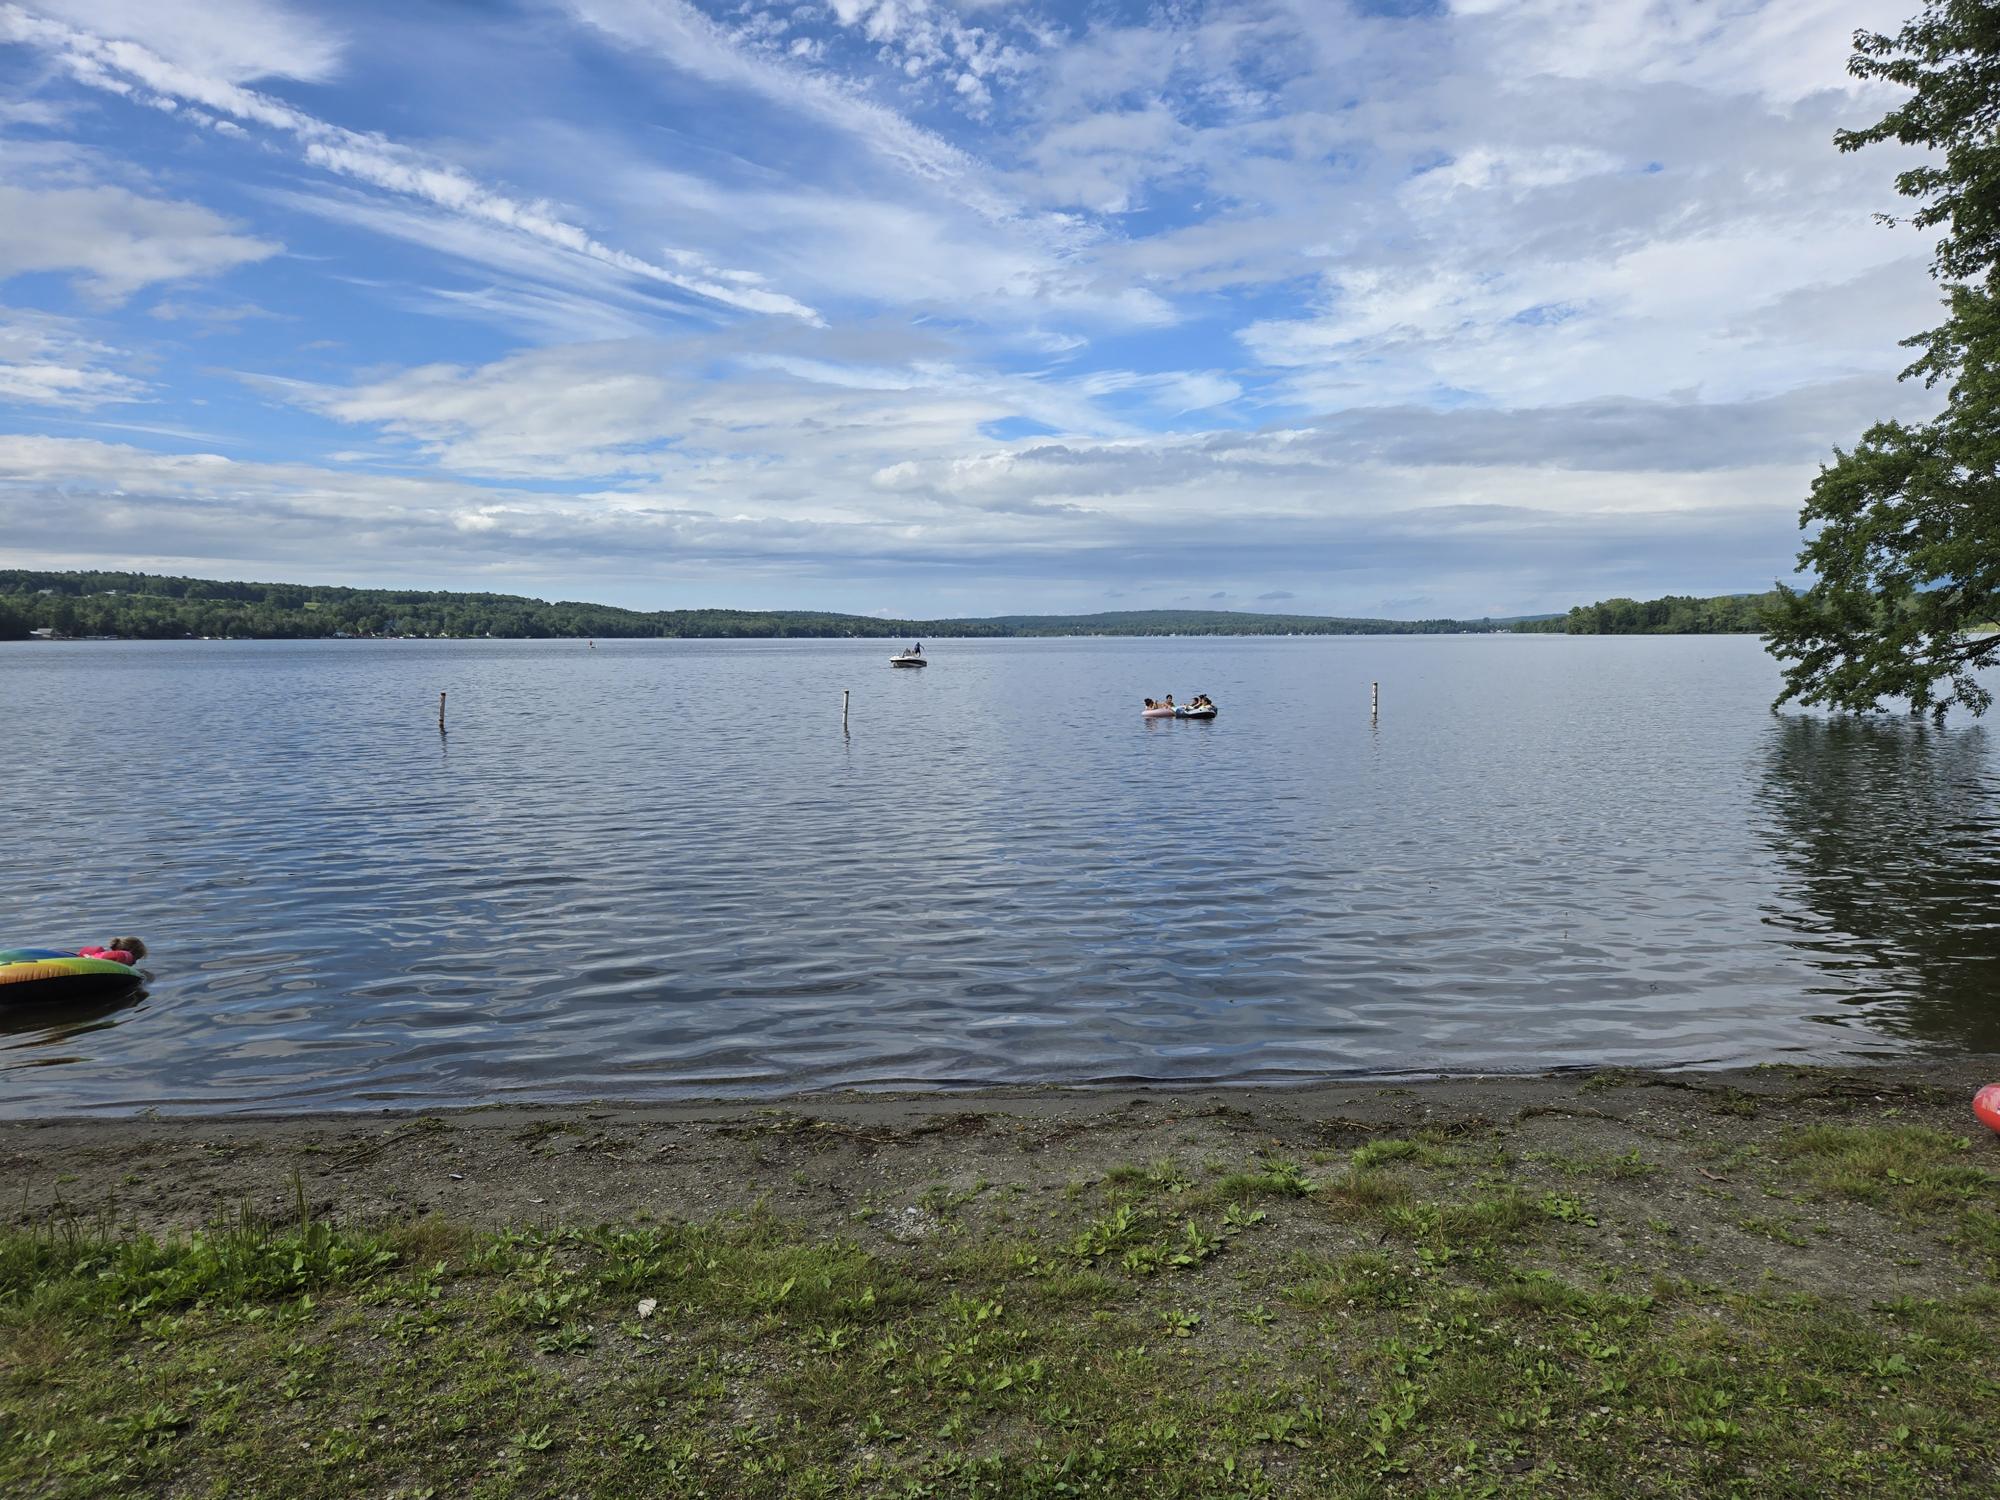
(34, 975)
(120, 950)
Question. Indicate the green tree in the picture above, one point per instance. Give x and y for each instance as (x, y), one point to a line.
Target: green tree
(1906, 556)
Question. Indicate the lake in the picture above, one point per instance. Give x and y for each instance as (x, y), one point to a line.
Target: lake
(662, 869)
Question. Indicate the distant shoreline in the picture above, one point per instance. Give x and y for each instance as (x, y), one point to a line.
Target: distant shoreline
(141, 606)
(1094, 635)
(628, 640)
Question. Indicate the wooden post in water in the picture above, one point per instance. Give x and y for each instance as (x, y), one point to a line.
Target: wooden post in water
(1374, 700)
(843, 707)
(441, 728)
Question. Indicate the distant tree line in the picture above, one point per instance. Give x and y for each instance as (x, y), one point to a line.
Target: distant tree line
(143, 606)
(1676, 614)
(1207, 622)
(136, 606)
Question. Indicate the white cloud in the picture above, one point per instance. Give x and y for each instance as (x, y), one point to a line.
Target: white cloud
(125, 67)
(1518, 174)
(523, 284)
(372, 160)
(1304, 297)
(1519, 203)
(1652, 285)
(1337, 517)
(924, 39)
(1782, 50)
(1102, 160)
(777, 433)
(687, 39)
(115, 240)
(236, 40)
(45, 362)
(887, 251)
(728, 410)
(40, 113)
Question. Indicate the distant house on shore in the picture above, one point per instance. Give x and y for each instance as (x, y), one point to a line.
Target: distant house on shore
(47, 633)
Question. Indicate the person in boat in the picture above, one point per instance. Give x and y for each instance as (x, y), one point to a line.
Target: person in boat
(1168, 701)
(917, 650)
(1151, 704)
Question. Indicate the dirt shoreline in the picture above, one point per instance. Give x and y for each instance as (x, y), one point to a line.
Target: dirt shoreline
(1778, 1281)
(825, 1157)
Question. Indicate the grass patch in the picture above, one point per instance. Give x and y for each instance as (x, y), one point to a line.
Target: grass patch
(1274, 1178)
(1371, 1331)
(1417, 1150)
(1908, 1167)
(1925, 1176)
(77, 1270)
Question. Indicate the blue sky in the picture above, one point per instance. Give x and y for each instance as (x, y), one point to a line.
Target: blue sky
(1384, 307)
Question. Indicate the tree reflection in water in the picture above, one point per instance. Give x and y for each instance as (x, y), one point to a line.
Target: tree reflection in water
(1888, 833)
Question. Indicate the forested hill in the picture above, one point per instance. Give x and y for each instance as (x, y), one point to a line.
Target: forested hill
(1676, 614)
(1202, 622)
(152, 607)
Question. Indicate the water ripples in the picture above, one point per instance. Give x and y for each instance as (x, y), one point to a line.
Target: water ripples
(661, 869)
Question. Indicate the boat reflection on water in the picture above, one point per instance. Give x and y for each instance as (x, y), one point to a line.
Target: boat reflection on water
(1888, 832)
(51, 1024)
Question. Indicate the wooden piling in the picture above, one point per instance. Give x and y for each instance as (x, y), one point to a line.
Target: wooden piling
(843, 706)
(441, 728)
(1374, 700)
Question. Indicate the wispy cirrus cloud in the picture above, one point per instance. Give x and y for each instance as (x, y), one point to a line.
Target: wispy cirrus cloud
(45, 362)
(751, 410)
(126, 67)
(689, 39)
(686, 38)
(234, 40)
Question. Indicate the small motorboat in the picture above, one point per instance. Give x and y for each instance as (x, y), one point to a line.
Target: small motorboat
(1195, 713)
(906, 659)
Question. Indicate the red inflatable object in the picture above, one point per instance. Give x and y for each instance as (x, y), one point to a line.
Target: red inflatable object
(1986, 1105)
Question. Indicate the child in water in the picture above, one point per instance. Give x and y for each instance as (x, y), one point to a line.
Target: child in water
(120, 950)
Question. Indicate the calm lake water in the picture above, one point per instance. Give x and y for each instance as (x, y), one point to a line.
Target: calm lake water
(661, 869)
